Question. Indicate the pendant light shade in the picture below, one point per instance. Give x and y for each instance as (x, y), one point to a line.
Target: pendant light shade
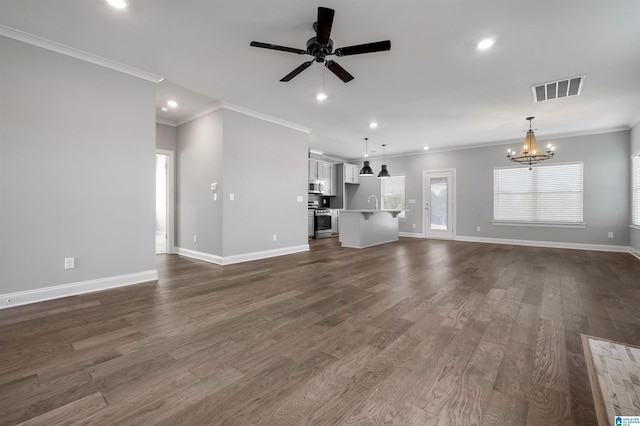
(366, 169)
(384, 173)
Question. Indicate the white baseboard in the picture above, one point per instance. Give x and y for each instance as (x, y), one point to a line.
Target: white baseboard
(634, 252)
(411, 234)
(548, 244)
(238, 258)
(211, 258)
(73, 289)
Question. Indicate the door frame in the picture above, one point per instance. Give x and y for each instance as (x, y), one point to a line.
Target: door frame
(170, 197)
(453, 201)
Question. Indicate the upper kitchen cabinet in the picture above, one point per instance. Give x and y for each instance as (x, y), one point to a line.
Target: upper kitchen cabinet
(313, 169)
(351, 173)
(325, 172)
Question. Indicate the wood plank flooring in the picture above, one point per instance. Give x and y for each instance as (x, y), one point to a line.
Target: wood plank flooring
(424, 332)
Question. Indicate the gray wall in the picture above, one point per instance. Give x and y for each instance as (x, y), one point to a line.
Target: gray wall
(635, 149)
(606, 188)
(199, 163)
(77, 170)
(263, 164)
(266, 168)
(165, 137)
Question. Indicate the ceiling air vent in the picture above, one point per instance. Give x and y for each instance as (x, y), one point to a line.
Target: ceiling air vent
(563, 88)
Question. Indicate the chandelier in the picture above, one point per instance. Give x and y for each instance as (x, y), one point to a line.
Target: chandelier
(530, 153)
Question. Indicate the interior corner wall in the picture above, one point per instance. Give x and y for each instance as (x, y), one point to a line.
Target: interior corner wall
(77, 160)
(266, 169)
(606, 189)
(165, 137)
(199, 163)
(634, 234)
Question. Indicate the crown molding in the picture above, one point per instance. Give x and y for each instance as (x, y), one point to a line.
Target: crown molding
(265, 117)
(246, 111)
(78, 54)
(165, 122)
(202, 112)
(499, 143)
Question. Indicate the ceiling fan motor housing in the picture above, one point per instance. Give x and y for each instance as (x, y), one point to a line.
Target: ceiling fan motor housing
(320, 51)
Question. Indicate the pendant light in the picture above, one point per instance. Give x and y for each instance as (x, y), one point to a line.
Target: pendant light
(384, 173)
(530, 153)
(366, 169)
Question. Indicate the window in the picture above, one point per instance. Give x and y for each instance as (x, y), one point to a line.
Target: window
(546, 194)
(393, 194)
(635, 198)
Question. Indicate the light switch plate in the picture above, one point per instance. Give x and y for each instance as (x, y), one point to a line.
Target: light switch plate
(300, 198)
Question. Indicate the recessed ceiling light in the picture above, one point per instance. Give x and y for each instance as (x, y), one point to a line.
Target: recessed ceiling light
(118, 4)
(172, 104)
(486, 43)
(321, 97)
(373, 125)
(164, 109)
(426, 148)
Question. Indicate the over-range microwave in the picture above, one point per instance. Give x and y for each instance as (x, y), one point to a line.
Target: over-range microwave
(316, 187)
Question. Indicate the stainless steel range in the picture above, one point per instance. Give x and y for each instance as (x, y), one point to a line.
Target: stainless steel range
(322, 223)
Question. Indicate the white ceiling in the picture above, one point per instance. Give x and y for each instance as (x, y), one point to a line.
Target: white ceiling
(434, 88)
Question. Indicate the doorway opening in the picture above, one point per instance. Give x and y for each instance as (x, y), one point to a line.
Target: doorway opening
(164, 201)
(439, 207)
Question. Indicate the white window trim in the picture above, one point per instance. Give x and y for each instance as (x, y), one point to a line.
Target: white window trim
(635, 226)
(539, 224)
(577, 225)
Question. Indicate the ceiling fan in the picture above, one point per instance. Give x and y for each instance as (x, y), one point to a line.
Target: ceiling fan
(321, 46)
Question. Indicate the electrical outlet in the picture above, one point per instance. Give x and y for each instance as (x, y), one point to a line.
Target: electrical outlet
(300, 198)
(477, 229)
(232, 196)
(195, 238)
(69, 262)
(413, 225)
(275, 237)
(610, 235)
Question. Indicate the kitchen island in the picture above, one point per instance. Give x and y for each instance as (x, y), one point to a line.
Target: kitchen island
(368, 227)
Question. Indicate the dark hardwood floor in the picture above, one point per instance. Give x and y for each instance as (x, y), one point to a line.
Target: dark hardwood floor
(422, 332)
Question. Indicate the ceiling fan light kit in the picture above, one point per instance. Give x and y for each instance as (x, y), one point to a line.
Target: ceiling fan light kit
(321, 46)
(530, 153)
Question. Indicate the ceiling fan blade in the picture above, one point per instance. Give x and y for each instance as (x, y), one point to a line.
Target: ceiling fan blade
(339, 71)
(377, 46)
(297, 71)
(276, 47)
(323, 25)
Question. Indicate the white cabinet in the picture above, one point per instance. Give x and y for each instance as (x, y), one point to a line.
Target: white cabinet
(334, 221)
(351, 173)
(325, 172)
(313, 169)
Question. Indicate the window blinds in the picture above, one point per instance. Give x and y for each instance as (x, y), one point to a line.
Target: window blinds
(635, 200)
(546, 194)
(393, 193)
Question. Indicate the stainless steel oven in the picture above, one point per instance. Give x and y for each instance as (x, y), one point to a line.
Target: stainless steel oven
(323, 223)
